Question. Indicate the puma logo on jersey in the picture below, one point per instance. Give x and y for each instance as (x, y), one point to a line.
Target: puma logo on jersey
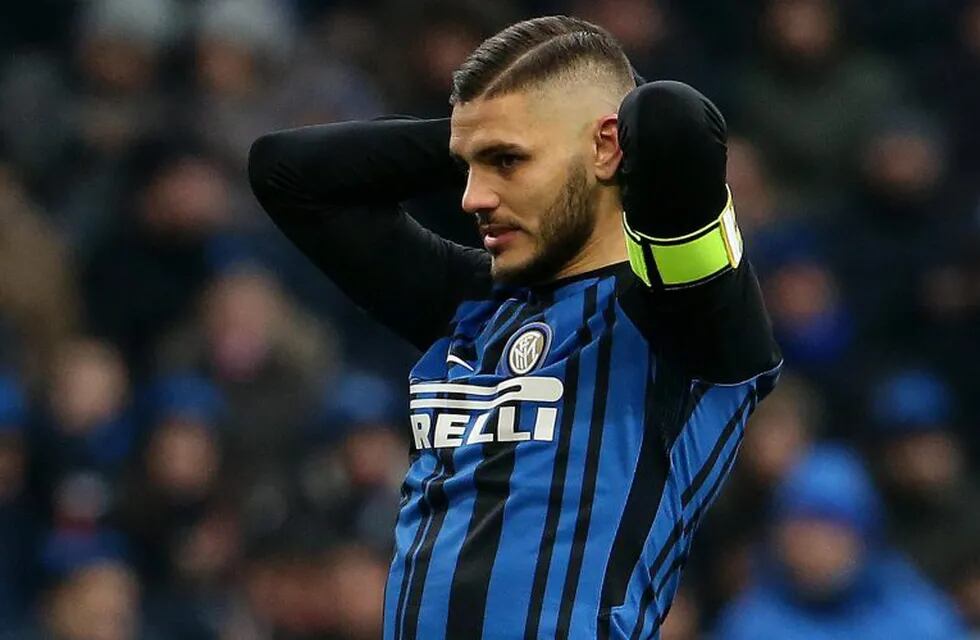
(454, 415)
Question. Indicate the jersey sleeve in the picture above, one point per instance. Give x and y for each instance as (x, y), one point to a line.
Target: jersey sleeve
(694, 294)
(335, 190)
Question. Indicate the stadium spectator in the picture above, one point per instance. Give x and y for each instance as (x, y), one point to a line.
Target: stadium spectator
(85, 435)
(358, 576)
(39, 301)
(964, 586)
(146, 275)
(443, 34)
(828, 572)
(94, 594)
(683, 621)
(131, 253)
(179, 478)
(241, 47)
(654, 37)
(356, 463)
(902, 208)
(779, 434)
(87, 421)
(265, 353)
(758, 205)
(119, 53)
(949, 305)
(960, 97)
(812, 319)
(923, 471)
(18, 512)
(809, 99)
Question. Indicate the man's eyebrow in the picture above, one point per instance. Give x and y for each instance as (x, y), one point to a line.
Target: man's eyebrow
(491, 150)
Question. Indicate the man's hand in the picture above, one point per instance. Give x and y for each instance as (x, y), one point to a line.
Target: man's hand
(674, 156)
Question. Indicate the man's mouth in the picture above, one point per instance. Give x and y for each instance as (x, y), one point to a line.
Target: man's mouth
(496, 236)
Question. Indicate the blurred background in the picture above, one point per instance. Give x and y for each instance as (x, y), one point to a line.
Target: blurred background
(200, 438)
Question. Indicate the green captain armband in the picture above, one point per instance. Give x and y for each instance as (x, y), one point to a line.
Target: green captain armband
(690, 259)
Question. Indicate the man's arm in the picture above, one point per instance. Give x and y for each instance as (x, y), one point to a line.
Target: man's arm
(695, 295)
(334, 191)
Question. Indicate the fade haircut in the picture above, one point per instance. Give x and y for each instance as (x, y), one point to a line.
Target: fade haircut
(529, 53)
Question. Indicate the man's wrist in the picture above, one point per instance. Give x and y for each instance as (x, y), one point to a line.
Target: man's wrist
(687, 260)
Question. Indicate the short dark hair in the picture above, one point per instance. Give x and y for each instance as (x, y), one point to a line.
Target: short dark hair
(529, 52)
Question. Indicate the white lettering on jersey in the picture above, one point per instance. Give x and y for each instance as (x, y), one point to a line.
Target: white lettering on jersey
(454, 416)
(477, 436)
(421, 423)
(544, 426)
(505, 427)
(449, 429)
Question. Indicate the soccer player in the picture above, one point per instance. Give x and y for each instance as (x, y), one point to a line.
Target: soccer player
(585, 377)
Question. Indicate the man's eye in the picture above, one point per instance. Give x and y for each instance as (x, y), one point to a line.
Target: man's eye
(507, 161)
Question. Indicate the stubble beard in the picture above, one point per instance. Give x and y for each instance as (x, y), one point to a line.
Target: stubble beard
(565, 229)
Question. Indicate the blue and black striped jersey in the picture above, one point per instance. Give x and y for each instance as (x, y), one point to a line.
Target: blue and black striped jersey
(559, 470)
(567, 438)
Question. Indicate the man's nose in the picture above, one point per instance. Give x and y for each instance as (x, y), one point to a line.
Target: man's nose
(478, 197)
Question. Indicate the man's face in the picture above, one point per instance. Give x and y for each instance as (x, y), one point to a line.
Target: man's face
(100, 602)
(820, 557)
(530, 185)
(923, 466)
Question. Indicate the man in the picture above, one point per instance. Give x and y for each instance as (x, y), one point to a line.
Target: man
(921, 464)
(828, 572)
(580, 397)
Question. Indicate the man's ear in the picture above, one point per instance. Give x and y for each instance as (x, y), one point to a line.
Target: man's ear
(607, 152)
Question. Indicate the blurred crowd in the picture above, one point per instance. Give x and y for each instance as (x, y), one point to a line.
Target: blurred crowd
(201, 439)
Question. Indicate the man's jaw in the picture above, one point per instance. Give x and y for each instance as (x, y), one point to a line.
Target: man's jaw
(510, 256)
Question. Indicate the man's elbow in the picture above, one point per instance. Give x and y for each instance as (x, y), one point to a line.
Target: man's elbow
(263, 159)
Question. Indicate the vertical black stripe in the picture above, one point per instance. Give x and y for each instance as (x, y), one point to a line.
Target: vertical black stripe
(547, 545)
(649, 595)
(507, 311)
(674, 567)
(471, 579)
(426, 511)
(689, 394)
(709, 464)
(668, 377)
(656, 282)
(491, 479)
(715, 488)
(646, 490)
(680, 528)
(591, 472)
(439, 504)
(497, 332)
(648, 592)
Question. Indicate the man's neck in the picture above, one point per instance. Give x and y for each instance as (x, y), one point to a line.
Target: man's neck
(604, 247)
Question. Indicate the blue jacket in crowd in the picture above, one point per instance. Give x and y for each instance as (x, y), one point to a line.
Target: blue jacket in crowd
(883, 598)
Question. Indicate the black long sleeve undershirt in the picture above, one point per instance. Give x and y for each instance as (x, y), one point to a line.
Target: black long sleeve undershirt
(335, 189)
(673, 180)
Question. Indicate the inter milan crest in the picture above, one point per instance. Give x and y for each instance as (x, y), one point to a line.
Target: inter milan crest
(527, 348)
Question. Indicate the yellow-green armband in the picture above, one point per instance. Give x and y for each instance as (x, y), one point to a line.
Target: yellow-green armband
(689, 259)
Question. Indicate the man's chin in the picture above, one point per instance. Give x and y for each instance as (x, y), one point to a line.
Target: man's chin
(507, 270)
(504, 272)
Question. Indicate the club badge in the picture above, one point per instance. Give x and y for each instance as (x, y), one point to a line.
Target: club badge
(527, 348)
